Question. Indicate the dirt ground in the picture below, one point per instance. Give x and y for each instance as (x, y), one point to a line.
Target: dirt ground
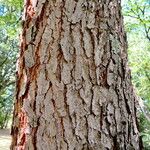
(5, 139)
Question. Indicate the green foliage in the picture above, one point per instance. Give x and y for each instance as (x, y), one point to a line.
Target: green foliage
(137, 16)
(137, 24)
(139, 56)
(10, 12)
(144, 124)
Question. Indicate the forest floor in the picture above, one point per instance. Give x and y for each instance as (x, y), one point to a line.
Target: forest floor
(5, 139)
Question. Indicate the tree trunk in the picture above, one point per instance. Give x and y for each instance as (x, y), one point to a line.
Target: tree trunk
(74, 89)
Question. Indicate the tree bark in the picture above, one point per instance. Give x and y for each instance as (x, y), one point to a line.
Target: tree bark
(74, 89)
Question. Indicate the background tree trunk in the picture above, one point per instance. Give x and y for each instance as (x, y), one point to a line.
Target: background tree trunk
(74, 88)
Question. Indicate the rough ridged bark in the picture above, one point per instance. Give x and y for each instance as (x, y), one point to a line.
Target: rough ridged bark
(74, 88)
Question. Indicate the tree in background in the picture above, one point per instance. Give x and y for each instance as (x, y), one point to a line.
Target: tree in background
(137, 23)
(10, 11)
(74, 87)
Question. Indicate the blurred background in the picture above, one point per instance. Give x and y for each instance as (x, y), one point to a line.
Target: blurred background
(137, 25)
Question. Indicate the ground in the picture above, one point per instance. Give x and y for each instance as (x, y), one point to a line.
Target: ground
(5, 139)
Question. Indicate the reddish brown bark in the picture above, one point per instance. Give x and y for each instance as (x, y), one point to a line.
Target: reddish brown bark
(74, 87)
